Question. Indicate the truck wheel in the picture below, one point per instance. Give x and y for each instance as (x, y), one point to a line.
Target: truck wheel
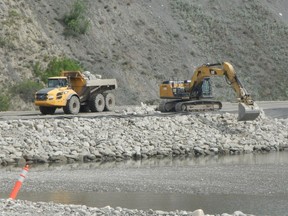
(97, 103)
(109, 102)
(47, 110)
(72, 106)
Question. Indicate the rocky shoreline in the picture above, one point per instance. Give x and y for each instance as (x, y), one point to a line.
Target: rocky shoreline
(136, 135)
(20, 207)
(139, 133)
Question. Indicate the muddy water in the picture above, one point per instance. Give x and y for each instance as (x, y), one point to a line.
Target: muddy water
(260, 203)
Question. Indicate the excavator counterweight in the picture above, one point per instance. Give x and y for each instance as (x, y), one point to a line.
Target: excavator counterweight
(196, 94)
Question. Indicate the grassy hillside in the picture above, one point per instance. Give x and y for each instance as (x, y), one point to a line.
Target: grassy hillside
(141, 43)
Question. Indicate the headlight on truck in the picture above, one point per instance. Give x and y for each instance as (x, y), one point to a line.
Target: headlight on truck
(50, 97)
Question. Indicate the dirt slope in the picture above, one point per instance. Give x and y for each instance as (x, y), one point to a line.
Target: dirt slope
(144, 42)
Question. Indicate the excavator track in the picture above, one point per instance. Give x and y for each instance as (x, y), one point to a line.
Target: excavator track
(190, 106)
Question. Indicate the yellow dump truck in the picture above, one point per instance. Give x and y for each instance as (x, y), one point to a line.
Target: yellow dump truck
(76, 92)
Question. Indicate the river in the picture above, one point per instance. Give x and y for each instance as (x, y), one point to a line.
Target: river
(252, 183)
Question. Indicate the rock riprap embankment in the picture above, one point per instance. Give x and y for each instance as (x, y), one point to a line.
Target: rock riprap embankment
(19, 207)
(132, 136)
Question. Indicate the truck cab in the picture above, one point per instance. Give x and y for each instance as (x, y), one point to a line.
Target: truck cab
(57, 82)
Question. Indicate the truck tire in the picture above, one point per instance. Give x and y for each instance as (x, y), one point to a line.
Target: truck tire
(109, 102)
(97, 103)
(72, 106)
(47, 110)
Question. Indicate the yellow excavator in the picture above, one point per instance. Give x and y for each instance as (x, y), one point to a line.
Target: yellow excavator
(196, 94)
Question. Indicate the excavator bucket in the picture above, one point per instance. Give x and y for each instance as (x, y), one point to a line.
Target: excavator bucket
(248, 112)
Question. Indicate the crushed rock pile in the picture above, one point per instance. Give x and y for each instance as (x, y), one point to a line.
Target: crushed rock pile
(137, 136)
(19, 207)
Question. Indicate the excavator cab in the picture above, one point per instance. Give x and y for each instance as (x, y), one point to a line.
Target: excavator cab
(207, 88)
(203, 89)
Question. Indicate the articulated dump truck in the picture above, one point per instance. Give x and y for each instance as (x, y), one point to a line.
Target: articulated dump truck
(76, 92)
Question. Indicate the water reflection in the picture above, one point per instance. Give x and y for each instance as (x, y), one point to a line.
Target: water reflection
(211, 204)
(252, 158)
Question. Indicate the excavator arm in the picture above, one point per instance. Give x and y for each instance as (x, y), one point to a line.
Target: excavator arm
(247, 108)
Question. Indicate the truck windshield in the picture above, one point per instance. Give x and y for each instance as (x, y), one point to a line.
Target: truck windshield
(52, 83)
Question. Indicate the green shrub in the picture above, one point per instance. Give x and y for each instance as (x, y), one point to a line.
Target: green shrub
(6, 42)
(4, 102)
(76, 21)
(37, 69)
(55, 66)
(26, 89)
(13, 13)
(2, 42)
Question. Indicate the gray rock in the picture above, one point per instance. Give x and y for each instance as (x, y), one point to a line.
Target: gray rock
(198, 212)
(39, 127)
(58, 158)
(158, 212)
(39, 159)
(215, 150)
(239, 213)
(8, 161)
(198, 151)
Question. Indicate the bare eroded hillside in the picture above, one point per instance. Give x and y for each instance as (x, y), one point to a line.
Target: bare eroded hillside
(142, 43)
